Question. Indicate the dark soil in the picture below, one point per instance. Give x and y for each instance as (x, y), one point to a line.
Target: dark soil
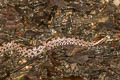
(34, 22)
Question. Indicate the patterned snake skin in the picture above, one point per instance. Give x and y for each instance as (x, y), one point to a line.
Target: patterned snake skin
(35, 51)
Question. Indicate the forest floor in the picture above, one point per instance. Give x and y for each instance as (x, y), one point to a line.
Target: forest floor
(34, 22)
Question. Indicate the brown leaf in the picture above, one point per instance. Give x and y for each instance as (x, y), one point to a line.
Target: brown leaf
(117, 36)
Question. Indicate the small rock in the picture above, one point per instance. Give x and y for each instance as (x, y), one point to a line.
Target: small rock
(116, 2)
